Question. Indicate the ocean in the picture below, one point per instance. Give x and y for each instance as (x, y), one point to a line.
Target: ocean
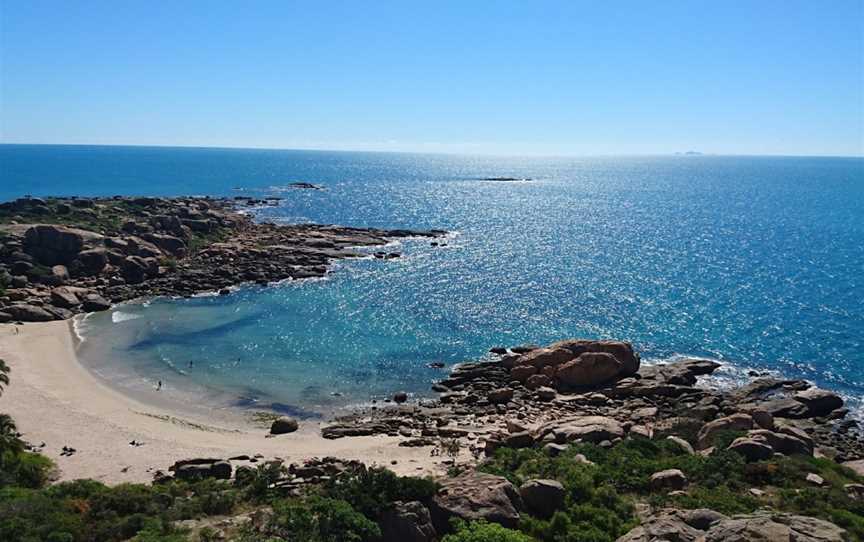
(754, 261)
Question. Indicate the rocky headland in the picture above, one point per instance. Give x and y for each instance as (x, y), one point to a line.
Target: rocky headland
(63, 256)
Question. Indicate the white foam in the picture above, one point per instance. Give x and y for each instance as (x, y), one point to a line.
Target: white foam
(119, 316)
(77, 323)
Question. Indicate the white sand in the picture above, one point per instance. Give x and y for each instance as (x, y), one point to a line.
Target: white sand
(55, 400)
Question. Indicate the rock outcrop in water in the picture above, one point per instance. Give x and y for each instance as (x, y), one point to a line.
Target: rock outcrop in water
(62, 256)
(598, 391)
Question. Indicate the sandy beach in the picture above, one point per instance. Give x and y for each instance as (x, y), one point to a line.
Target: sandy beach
(55, 400)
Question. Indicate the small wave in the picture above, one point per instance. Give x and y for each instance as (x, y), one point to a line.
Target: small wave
(78, 323)
(119, 316)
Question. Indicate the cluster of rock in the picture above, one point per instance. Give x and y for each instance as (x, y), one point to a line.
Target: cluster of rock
(136, 247)
(572, 364)
(492, 403)
(710, 526)
(289, 480)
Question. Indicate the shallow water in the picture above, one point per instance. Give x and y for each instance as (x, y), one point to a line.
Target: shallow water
(755, 261)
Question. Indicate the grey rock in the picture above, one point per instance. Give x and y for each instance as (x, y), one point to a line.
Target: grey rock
(476, 496)
(589, 369)
(282, 425)
(542, 497)
(735, 422)
(64, 298)
(768, 527)
(622, 351)
(94, 303)
(668, 479)
(28, 313)
(92, 261)
(819, 402)
(751, 448)
(407, 522)
(500, 395)
(681, 443)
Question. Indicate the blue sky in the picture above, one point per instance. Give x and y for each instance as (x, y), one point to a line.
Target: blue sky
(573, 77)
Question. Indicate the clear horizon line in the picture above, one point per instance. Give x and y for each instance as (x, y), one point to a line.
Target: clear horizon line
(445, 153)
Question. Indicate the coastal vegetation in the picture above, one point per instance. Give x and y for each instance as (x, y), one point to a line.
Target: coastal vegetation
(601, 487)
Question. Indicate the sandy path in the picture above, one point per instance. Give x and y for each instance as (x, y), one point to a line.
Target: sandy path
(57, 401)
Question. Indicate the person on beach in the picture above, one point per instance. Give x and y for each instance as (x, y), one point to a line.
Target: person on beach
(159, 386)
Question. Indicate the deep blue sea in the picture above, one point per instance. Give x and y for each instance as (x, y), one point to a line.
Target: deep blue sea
(755, 261)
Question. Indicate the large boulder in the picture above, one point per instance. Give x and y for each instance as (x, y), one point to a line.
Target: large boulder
(136, 269)
(594, 429)
(476, 496)
(668, 525)
(93, 261)
(59, 274)
(94, 302)
(682, 372)
(767, 527)
(63, 297)
(668, 479)
(52, 245)
(168, 243)
(197, 469)
(500, 395)
(622, 351)
(783, 443)
(407, 522)
(735, 422)
(819, 402)
(786, 407)
(753, 449)
(522, 372)
(542, 497)
(139, 247)
(284, 424)
(857, 466)
(543, 357)
(589, 369)
(28, 313)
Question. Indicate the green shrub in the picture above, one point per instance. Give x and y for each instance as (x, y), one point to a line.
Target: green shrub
(480, 531)
(594, 510)
(722, 499)
(320, 519)
(31, 515)
(256, 483)
(832, 504)
(371, 491)
(24, 469)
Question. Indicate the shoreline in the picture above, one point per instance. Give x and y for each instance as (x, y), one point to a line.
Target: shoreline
(56, 400)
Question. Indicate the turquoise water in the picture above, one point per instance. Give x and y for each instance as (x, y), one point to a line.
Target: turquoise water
(755, 261)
